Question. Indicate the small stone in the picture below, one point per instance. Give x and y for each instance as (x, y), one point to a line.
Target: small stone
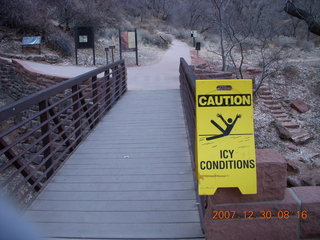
(300, 105)
(292, 147)
(282, 131)
(294, 166)
(202, 66)
(293, 181)
(306, 180)
(51, 58)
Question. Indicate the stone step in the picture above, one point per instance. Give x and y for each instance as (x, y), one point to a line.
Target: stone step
(275, 107)
(266, 96)
(300, 136)
(282, 115)
(290, 125)
(278, 111)
(282, 120)
(270, 102)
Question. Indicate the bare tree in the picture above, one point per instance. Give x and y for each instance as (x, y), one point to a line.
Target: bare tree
(269, 60)
(220, 7)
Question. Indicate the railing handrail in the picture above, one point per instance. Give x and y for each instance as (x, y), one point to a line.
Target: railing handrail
(191, 77)
(40, 131)
(188, 93)
(9, 110)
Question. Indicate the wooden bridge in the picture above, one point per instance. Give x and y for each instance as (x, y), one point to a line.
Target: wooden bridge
(100, 162)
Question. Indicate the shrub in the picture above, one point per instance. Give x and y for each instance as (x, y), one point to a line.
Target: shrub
(290, 71)
(154, 39)
(317, 42)
(306, 45)
(285, 42)
(60, 41)
(108, 33)
(26, 15)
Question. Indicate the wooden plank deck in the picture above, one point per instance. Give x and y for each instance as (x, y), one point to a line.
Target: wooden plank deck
(131, 178)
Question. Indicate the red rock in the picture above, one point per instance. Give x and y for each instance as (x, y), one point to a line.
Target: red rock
(255, 228)
(288, 203)
(271, 180)
(262, 229)
(294, 165)
(310, 202)
(300, 105)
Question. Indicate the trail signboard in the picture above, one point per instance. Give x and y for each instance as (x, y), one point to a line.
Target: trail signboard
(225, 136)
(84, 38)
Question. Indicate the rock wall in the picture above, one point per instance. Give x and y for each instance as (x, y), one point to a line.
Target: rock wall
(18, 81)
(275, 212)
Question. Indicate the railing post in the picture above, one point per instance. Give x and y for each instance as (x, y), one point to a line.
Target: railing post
(113, 85)
(76, 114)
(95, 98)
(46, 140)
(123, 78)
(117, 82)
(108, 95)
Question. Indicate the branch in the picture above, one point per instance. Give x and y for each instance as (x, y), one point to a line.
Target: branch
(292, 10)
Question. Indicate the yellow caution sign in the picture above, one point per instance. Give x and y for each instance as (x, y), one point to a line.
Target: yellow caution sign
(225, 136)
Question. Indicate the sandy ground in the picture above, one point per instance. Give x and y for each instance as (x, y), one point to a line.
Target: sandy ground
(161, 75)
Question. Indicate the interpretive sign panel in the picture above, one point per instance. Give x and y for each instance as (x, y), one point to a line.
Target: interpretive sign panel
(128, 42)
(31, 40)
(225, 136)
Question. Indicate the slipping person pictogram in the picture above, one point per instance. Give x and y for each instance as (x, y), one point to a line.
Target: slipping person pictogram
(225, 132)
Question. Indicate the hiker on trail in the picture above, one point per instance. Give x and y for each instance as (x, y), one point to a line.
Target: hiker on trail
(225, 132)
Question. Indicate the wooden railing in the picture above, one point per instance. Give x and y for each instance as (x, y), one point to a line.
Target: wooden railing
(38, 132)
(188, 91)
